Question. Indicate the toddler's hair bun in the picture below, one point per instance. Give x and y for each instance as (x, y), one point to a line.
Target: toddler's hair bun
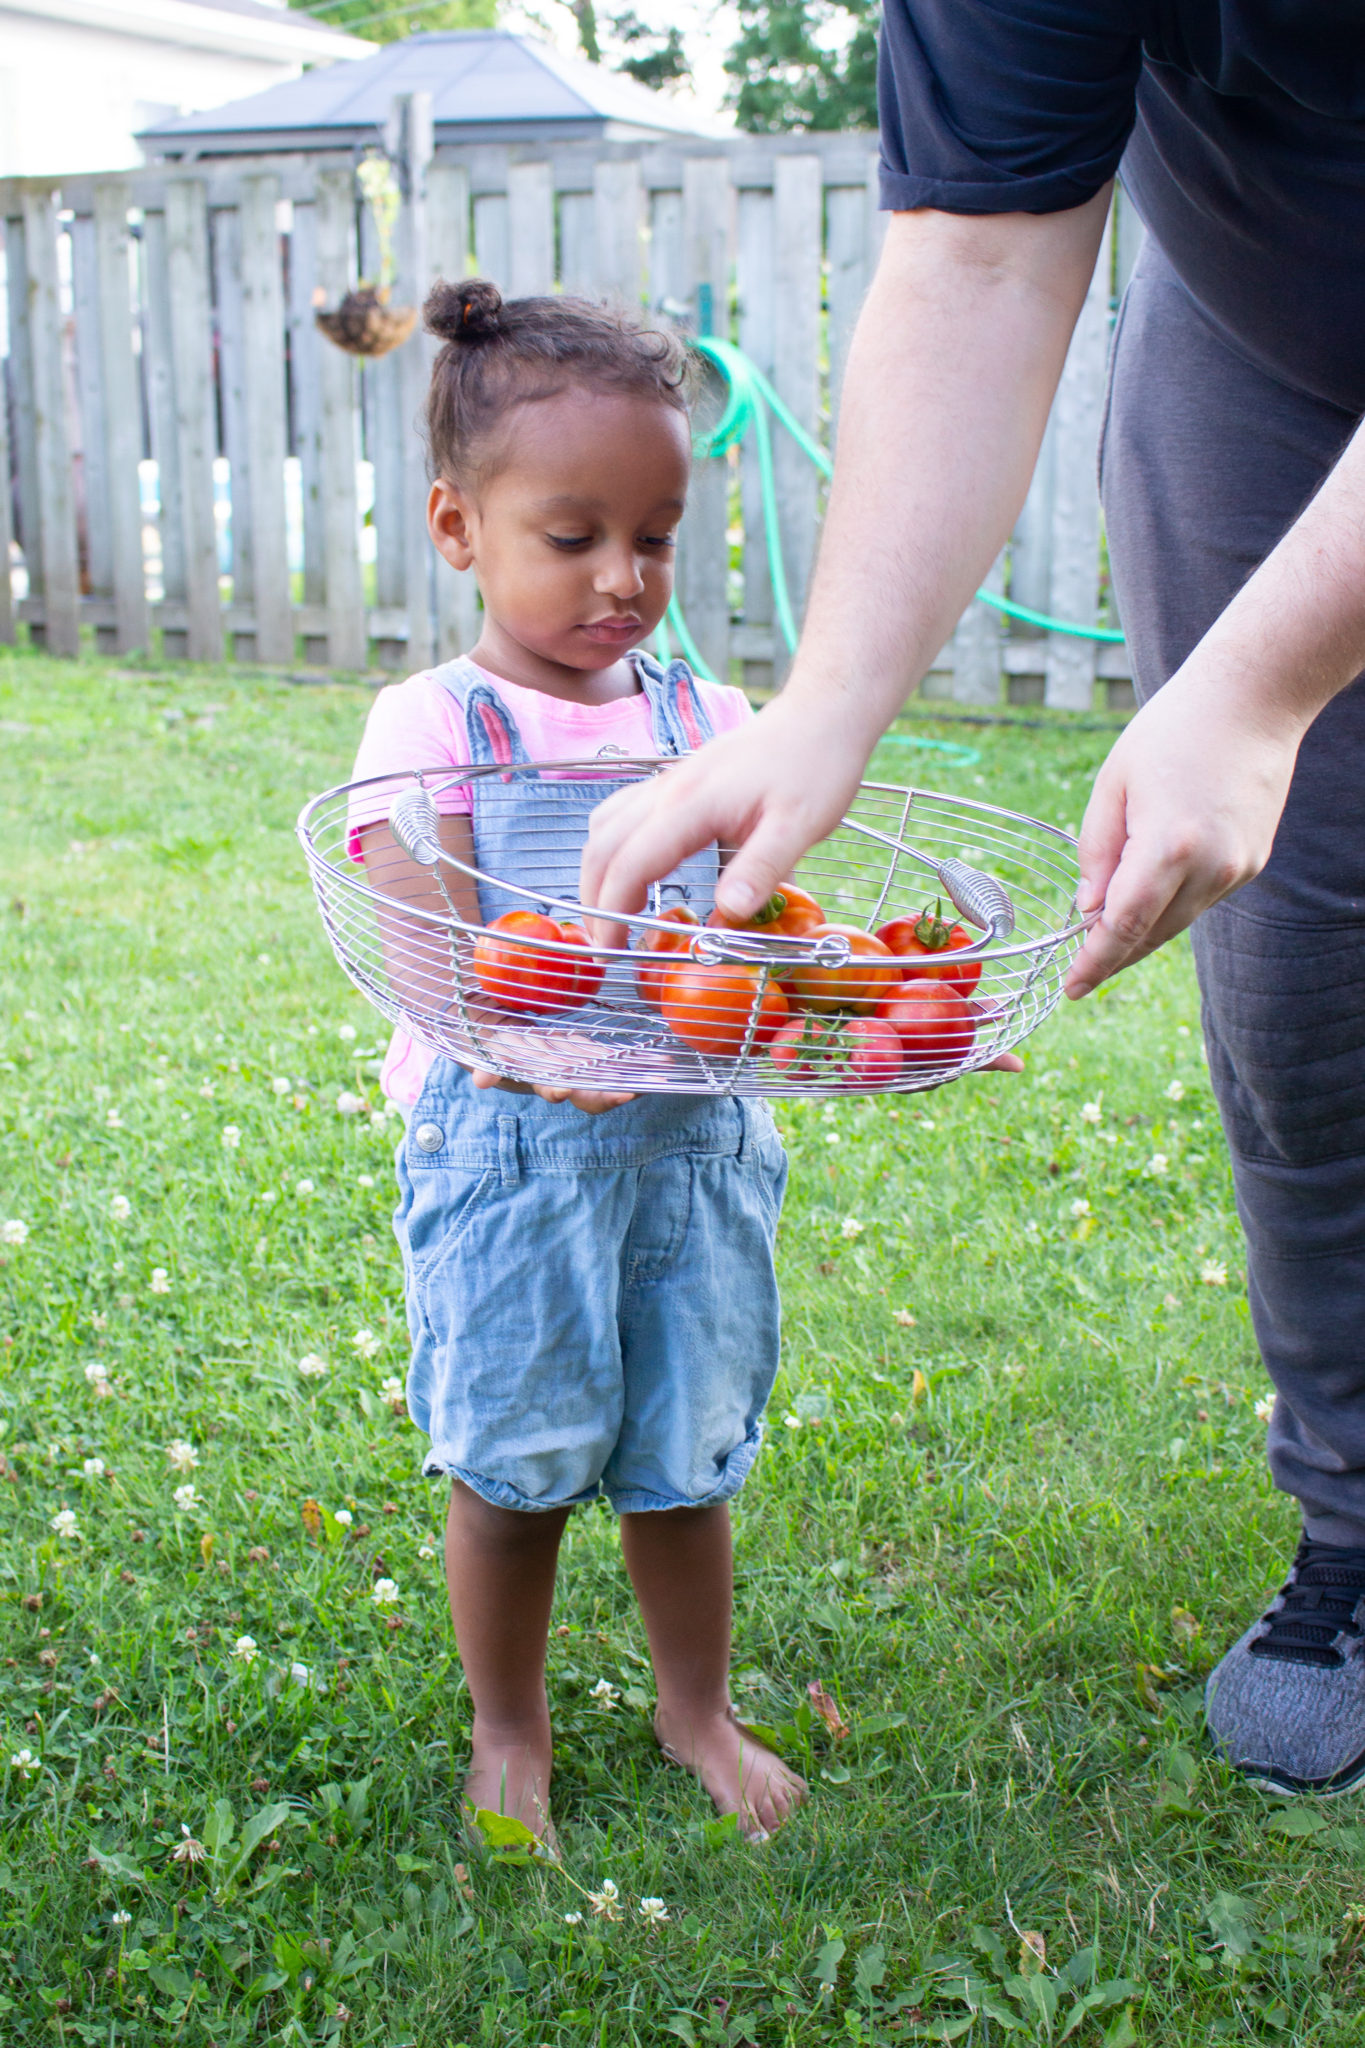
(468, 312)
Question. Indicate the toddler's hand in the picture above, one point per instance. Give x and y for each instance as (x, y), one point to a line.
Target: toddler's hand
(592, 1101)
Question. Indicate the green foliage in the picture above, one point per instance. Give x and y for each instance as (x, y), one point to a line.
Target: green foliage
(1011, 1506)
(388, 21)
(804, 64)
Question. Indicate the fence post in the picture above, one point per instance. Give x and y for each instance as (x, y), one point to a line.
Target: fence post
(411, 139)
(797, 208)
(335, 225)
(7, 634)
(305, 414)
(978, 646)
(755, 262)
(191, 322)
(457, 593)
(263, 339)
(122, 413)
(21, 395)
(704, 554)
(56, 493)
(1070, 681)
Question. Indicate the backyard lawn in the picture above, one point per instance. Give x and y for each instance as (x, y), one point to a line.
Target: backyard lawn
(1011, 1508)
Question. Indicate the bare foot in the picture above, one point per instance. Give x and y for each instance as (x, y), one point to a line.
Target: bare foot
(509, 1773)
(741, 1776)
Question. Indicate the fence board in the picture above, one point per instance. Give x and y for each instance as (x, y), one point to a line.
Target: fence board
(90, 452)
(530, 231)
(192, 368)
(1076, 524)
(577, 241)
(796, 359)
(346, 638)
(263, 331)
(21, 396)
(848, 272)
(978, 646)
(618, 203)
(160, 388)
(491, 237)
(755, 268)
(225, 240)
(7, 621)
(304, 402)
(411, 123)
(457, 595)
(56, 492)
(704, 552)
(122, 417)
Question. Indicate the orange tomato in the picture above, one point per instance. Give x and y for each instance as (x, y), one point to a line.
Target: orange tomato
(872, 972)
(555, 972)
(789, 911)
(651, 972)
(709, 1008)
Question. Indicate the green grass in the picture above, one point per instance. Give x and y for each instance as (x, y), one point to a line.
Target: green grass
(1012, 1507)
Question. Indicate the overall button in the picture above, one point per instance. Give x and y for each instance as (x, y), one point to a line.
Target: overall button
(429, 1137)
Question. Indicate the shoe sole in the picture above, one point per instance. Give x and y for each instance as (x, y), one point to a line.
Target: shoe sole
(1261, 1780)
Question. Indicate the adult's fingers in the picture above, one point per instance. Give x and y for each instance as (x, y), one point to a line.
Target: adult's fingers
(1104, 830)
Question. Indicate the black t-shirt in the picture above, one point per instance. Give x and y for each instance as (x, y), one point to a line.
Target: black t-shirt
(1240, 124)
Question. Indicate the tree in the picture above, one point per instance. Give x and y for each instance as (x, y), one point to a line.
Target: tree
(804, 64)
(385, 21)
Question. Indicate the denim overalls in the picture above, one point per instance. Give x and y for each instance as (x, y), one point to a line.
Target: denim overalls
(591, 1300)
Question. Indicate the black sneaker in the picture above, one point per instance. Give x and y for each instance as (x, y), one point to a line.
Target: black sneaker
(1287, 1704)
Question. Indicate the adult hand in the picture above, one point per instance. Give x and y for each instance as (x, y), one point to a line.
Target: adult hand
(1183, 812)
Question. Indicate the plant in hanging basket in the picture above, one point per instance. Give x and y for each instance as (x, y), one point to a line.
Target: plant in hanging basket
(364, 323)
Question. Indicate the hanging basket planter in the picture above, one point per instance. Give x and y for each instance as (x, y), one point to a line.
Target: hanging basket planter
(365, 324)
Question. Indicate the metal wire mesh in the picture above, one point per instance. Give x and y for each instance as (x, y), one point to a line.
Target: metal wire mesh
(407, 909)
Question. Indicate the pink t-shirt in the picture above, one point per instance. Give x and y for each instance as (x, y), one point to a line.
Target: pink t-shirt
(418, 724)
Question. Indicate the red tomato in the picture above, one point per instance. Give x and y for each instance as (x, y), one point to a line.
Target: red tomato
(558, 972)
(789, 911)
(857, 1053)
(709, 1008)
(917, 940)
(933, 1022)
(871, 974)
(650, 974)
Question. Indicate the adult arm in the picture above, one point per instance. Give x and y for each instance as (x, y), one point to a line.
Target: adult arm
(1185, 808)
(950, 377)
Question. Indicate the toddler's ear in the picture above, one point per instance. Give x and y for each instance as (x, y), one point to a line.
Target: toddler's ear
(449, 517)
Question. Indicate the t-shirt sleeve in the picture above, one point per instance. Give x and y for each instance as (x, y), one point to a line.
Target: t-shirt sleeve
(727, 706)
(416, 724)
(1005, 106)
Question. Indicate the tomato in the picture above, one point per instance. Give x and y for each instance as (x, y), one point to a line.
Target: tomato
(709, 1008)
(649, 975)
(917, 940)
(557, 972)
(933, 1022)
(858, 1053)
(788, 912)
(870, 975)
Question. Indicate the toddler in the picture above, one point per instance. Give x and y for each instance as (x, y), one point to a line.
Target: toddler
(591, 1297)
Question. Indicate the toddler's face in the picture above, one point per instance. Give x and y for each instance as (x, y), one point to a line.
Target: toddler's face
(571, 530)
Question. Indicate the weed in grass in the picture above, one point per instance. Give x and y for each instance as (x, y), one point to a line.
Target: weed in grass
(1011, 1508)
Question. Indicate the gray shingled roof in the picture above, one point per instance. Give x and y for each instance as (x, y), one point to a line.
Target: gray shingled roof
(485, 84)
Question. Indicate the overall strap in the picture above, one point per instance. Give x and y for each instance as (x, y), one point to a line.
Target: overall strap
(494, 735)
(681, 721)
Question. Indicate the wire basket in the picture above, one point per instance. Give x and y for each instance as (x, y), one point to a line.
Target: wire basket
(756, 1012)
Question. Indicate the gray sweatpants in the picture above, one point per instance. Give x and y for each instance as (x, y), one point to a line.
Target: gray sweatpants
(1205, 460)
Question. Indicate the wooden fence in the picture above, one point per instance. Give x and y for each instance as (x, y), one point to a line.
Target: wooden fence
(168, 389)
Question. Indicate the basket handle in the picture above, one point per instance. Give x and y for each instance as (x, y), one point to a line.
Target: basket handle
(416, 825)
(979, 897)
(715, 944)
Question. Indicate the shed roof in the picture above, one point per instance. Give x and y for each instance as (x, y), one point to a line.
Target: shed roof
(485, 84)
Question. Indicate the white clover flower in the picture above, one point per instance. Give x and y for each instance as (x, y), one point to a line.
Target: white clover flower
(349, 1104)
(366, 1344)
(364, 1180)
(606, 1694)
(160, 1282)
(120, 1209)
(791, 1422)
(1265, 1407)
(606, 1903)
(385, 1593)
(190, 1849)
(181, 1456)
(113, 1121)
(281, 1085)
(833, 1138)
(904, 1318)
(1158, 1164)
(378, 1119)
(344, 1517)
(1214, 1273)
(245, 1650)
(425, 1552)
(653, 1910)
(300, 1674)
(64, 1524)
(120, 1919)
(207, 1090)
(267, 1196)
(312, 1366)
(304, 1188)
(346, 1031)
(93, 1468)
(185, 1497)
(573, 1919)
(1175, 1091)
(391, 1388)
(14, 1231)
(1031, 1228)
(231, 1137)
(97, 1375)
(1091, 1112)
(25, 1762)
(1080, 1207)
